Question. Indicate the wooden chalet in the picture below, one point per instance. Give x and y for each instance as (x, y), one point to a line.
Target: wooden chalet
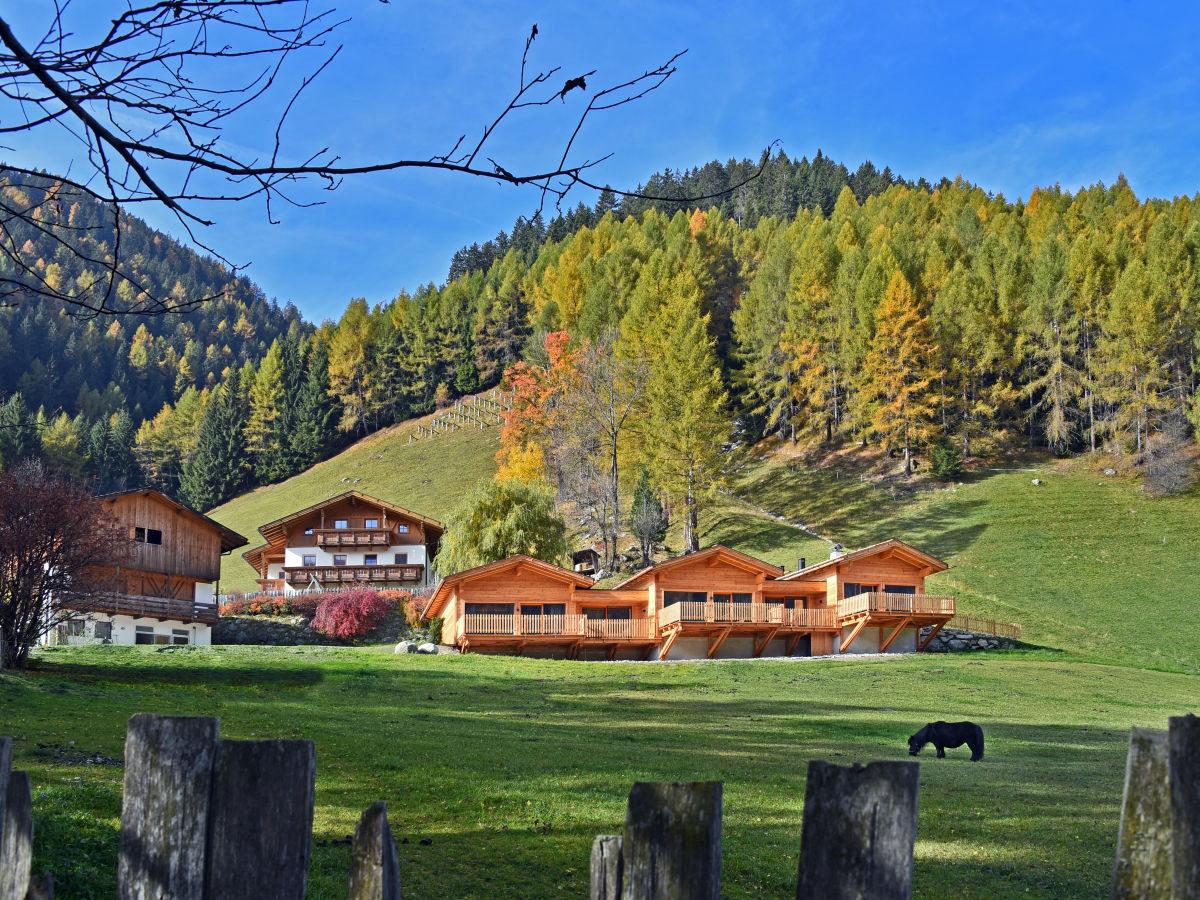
(351, 538)
(165, 591)
(713, 603)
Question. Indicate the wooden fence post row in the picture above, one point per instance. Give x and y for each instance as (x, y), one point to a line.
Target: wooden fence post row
(1158, 847)
(209, 818)
(859, 829)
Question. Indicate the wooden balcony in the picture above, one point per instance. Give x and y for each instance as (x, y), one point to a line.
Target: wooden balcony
(882, 605)
(353, 537)
(726, 613)
(574, 626)
(895, 611)
(153, 608)
(304, 575)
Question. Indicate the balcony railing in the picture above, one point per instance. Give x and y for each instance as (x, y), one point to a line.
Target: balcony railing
(895, 604)
(725, 612)
(351, 574)
(353, 537)
(566, 625)
(142, 607)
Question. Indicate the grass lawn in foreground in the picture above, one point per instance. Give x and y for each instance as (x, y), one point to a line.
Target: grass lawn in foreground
(512, 766)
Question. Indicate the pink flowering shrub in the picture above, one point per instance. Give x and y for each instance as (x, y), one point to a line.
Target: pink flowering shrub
(351, 613)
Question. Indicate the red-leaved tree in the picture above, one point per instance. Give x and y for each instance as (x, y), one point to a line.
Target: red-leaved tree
(351, 613)
(59, 550)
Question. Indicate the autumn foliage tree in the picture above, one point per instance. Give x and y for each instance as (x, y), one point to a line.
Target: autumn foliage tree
(58, 550)
(901, 368)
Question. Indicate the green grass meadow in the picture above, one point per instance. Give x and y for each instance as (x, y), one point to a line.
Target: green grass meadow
(511, 766)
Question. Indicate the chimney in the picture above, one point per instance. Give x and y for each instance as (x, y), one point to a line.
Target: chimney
(800, 563)
(837, 551)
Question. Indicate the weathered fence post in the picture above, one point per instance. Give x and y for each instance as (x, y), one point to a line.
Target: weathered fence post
(374, 867)
(260, 827)
(16, 844)
(672, 841)
(606, 867)
(1183, 769)
(860, 824)
(1143, 864)
(164, 816)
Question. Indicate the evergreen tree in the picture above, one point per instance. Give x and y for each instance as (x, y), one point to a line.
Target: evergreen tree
(647, 521)
(220, 470)
(315, 433)
(466, 375)
(19, 437)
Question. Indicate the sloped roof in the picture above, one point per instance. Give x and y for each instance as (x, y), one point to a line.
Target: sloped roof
(230, 539)
(275, 530)
(915, 556)
(734, 557)
(438, 602)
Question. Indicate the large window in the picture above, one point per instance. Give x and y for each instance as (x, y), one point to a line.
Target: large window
(104, 631)
(489, 609)
(341, 524)
(370, 559)
(852, 589)
(899, 589)
(370, 523)
(144, 634)
(672, 597)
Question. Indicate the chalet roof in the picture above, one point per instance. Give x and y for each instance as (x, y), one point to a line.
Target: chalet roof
(898, 547)
(726, 554)
(230, 539)
(274, 531)
(440, 596)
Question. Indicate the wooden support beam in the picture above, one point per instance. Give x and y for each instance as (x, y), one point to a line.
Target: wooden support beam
(922, 644)
(760, 644)
(715, 641)
(612, 653)
(887, 642)
(843, 647)
(668, 641)
(793, 641)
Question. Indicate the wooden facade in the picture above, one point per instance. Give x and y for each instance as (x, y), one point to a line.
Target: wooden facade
(717, 602)
(166, 587)
(351, 538)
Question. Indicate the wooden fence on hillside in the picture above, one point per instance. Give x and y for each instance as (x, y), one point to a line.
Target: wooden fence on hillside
(204, 817)
(985, 626)
(470, 412)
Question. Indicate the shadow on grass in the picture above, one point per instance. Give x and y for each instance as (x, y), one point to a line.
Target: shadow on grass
(130, 672)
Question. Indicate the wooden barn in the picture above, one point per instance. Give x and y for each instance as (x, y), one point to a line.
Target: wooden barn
(166, 591)
(715, 603)
(351, 538)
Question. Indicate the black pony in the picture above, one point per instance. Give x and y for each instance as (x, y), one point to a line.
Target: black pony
(948, 734)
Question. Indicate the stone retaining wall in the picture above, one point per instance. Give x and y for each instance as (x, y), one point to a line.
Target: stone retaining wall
(953, 640)
(291, 631)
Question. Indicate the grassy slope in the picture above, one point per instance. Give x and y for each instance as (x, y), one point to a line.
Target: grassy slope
(427, 476)
(512, 766)
(1083, 562)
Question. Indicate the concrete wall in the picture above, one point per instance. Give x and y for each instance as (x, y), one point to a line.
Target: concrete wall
(871, 637)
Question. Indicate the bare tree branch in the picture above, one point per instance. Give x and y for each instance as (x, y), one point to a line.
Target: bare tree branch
(147, 99)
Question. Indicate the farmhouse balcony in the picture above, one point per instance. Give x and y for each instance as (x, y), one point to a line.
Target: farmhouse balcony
(555, 626)
(772, 615)
(353, 537)
(304, 575)
(160, 608)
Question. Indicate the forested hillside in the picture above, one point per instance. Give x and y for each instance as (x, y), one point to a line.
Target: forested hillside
(819, 305)
(95, 378)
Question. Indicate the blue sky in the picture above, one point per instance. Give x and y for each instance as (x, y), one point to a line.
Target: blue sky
(1008, 95)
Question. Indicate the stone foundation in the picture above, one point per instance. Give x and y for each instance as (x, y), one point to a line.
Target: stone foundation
(291, 631)
(952, 640)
